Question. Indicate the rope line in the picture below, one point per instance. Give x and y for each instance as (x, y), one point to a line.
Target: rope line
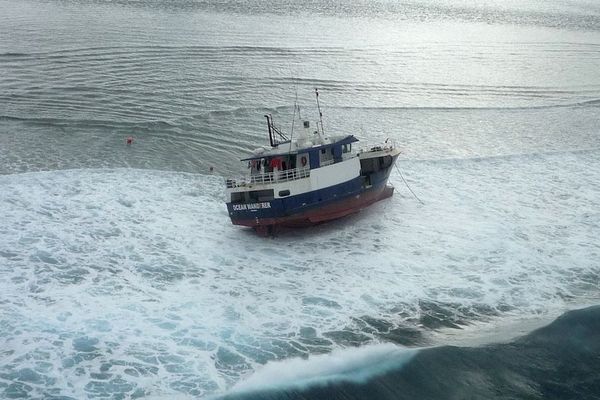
(406, 183)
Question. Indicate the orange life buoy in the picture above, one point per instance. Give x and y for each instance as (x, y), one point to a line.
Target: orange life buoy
(303, 161)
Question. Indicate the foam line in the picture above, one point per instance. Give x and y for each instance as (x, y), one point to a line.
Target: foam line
(353, 365)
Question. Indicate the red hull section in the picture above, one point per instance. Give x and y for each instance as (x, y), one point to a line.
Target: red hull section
(318, 215)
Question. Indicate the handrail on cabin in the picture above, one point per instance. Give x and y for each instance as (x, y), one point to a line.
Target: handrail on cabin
(270, 177)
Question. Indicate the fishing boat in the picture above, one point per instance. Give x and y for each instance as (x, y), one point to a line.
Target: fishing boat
(308, 178)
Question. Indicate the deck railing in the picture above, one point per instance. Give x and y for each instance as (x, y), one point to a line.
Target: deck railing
(375, 146)
(269, 177)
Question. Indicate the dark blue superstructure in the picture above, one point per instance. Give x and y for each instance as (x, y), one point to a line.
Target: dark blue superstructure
(335, 148)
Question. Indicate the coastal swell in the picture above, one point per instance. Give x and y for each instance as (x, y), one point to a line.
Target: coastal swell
(195, 106)
(560, 361)
(129, 83)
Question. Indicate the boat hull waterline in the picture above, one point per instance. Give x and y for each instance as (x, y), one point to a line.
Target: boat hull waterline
(336, 209)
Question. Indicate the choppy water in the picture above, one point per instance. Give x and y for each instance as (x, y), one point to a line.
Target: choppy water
(121, 275)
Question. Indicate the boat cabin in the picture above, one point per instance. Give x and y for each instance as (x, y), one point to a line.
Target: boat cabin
(308, 158)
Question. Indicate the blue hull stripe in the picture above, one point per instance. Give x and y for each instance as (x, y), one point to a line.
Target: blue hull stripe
(287, 206)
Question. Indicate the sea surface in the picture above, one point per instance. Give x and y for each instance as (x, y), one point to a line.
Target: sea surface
(121, 275)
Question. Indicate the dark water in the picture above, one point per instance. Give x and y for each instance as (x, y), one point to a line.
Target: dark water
(122, 277)
(559, 361)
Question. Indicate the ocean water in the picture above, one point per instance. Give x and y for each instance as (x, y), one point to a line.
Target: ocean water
(122, 277)
(525, 368)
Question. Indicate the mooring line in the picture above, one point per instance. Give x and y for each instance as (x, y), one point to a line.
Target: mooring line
(406, 183)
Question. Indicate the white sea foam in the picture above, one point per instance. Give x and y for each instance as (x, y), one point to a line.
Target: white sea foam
(134, 281)
(355, 365)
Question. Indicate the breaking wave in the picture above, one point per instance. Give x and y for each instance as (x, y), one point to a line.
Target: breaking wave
(560, 360)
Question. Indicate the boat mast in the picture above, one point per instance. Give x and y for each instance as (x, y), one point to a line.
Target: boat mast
(320, 113)
(296, 107)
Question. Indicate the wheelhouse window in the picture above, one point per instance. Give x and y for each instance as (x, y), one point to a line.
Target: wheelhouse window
(260, 195)
(326, 156)
(237, 197)
(252, 196)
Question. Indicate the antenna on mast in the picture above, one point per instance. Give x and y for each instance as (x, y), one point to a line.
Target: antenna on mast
(296, 107)
(320, 113)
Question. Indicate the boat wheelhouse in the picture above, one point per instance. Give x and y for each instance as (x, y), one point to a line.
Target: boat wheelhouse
(307, 180)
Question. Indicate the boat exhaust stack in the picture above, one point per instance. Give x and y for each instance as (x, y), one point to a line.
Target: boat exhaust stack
(276, 137)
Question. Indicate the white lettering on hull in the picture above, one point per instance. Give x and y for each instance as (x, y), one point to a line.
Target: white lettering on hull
(251, 206)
